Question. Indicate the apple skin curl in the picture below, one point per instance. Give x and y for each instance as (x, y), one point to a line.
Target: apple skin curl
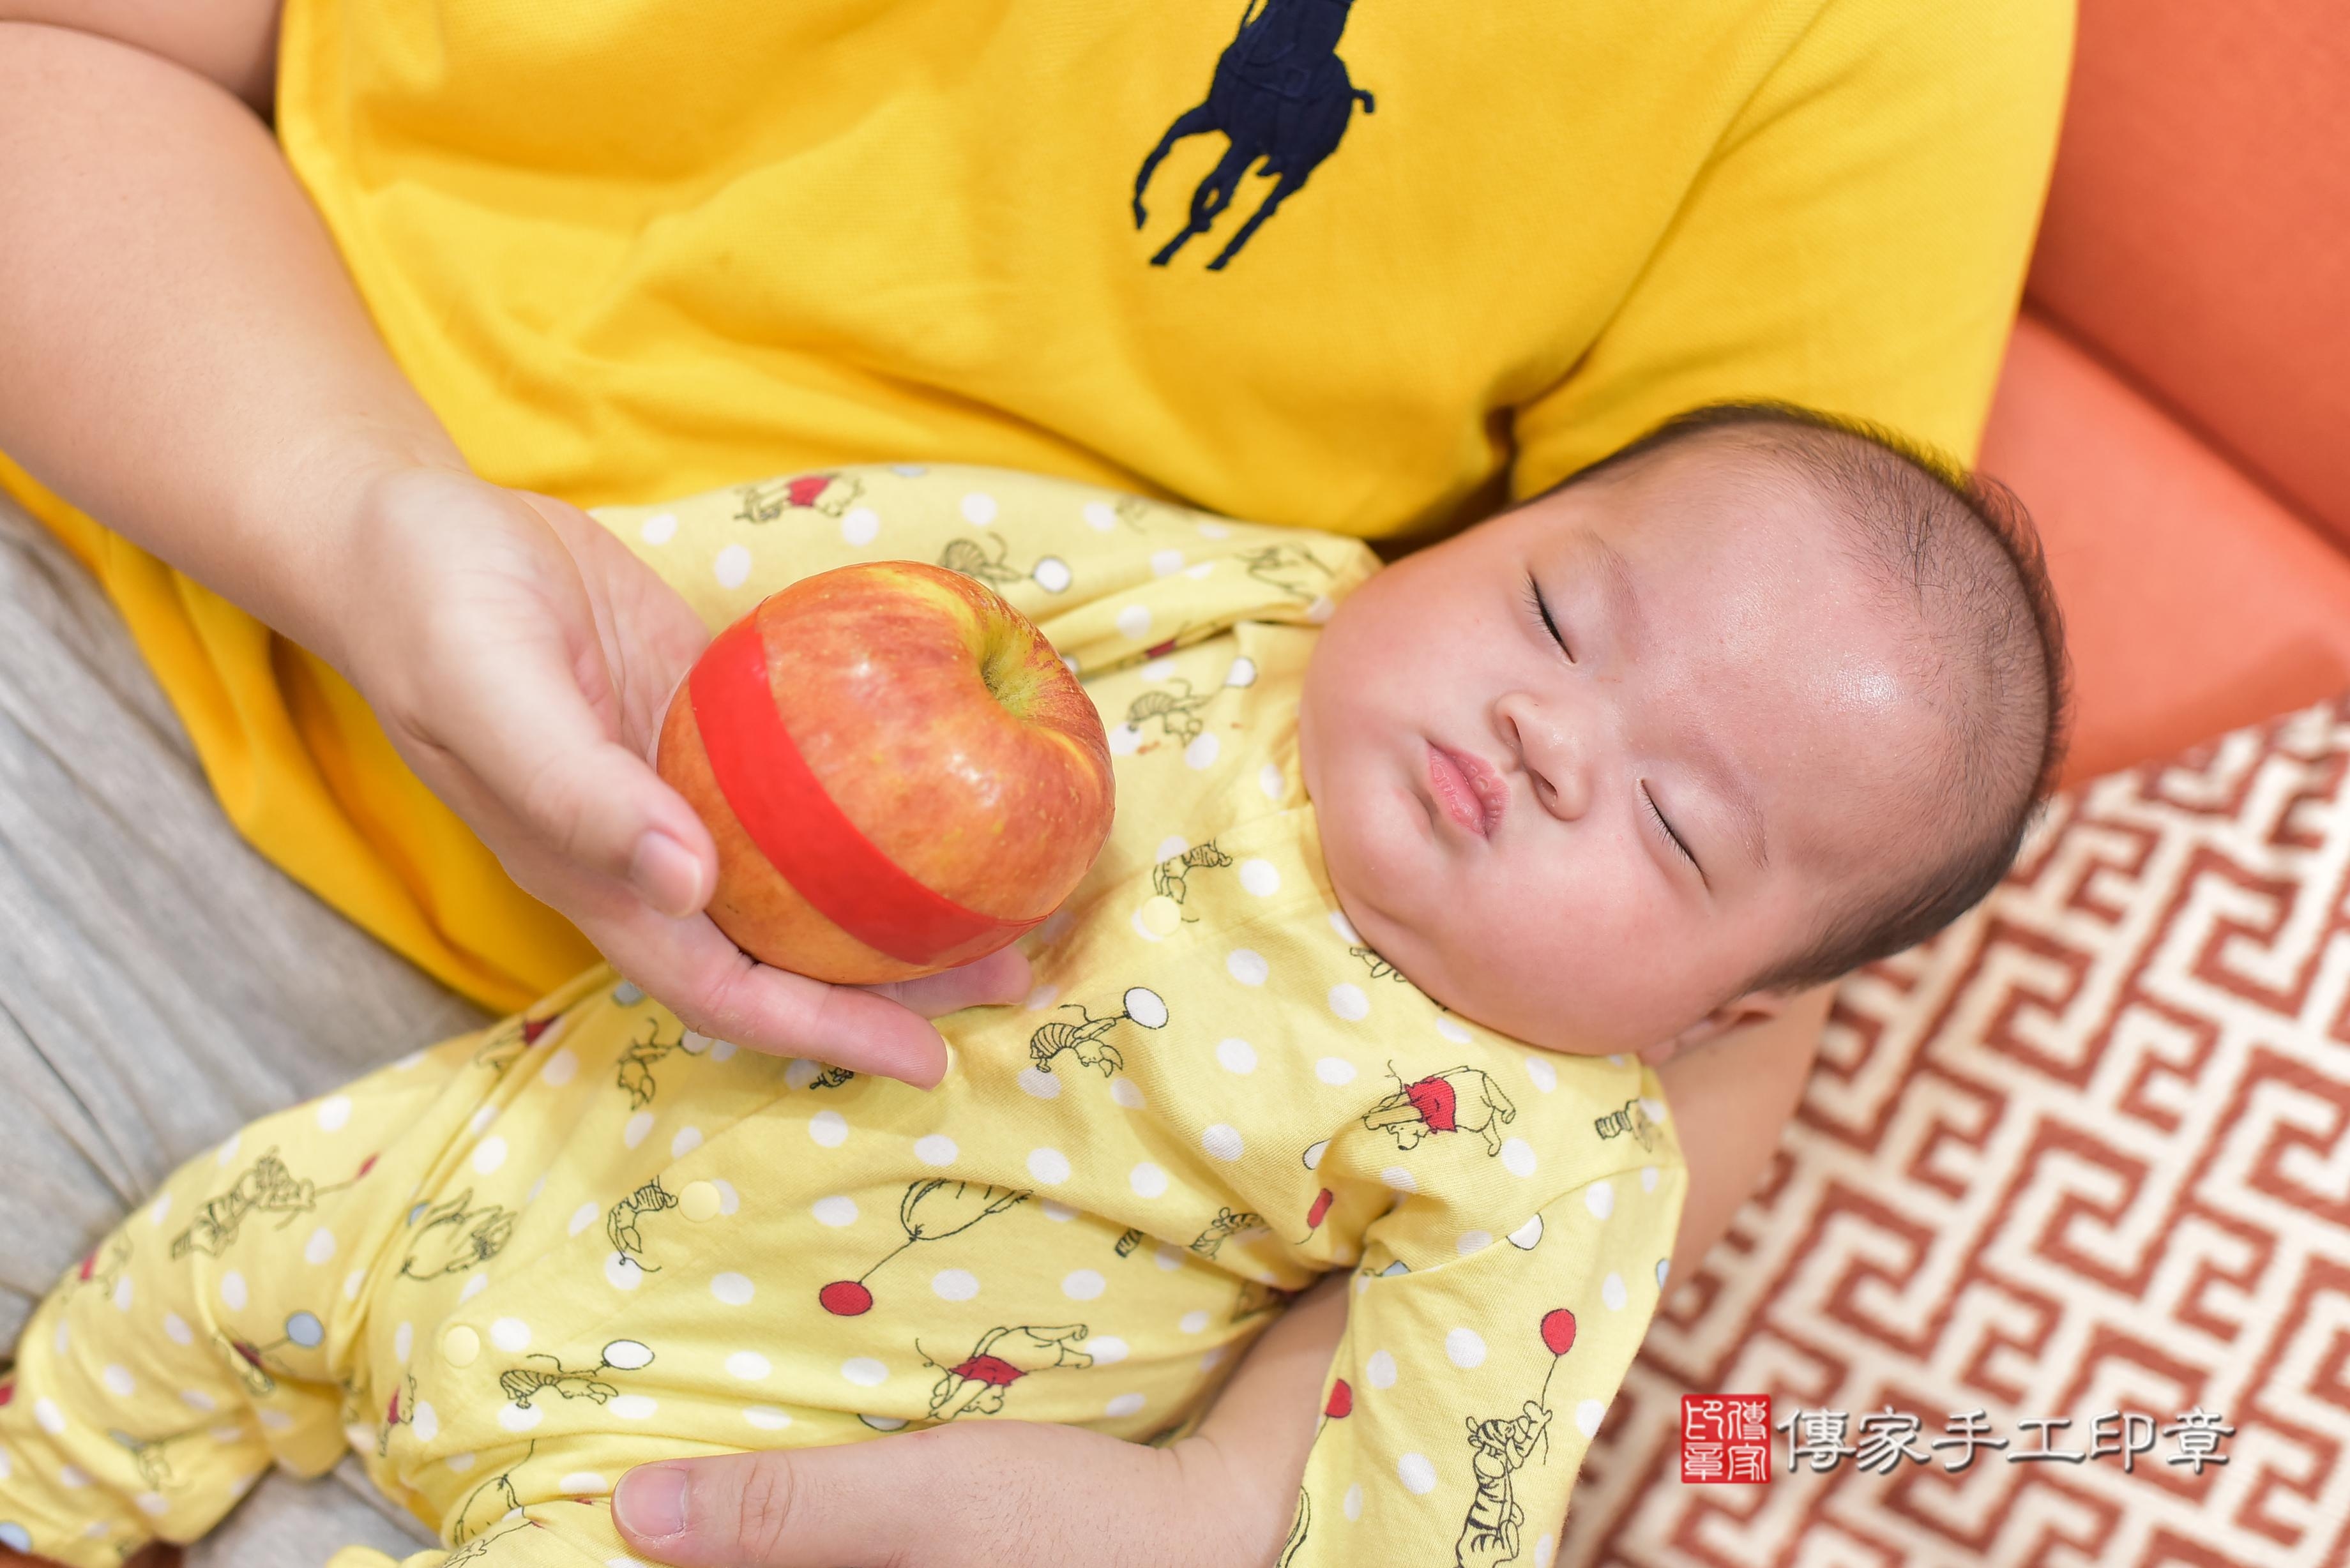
(947, 736)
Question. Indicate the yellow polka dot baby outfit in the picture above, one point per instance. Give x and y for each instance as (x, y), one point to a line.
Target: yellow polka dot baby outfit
(508, 1268)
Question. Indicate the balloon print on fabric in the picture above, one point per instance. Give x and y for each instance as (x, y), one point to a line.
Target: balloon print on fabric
(479, 1548)
(1296, 571)
(929, 1211)
(1176, 711)
(487, 1510)
(1558, 1331)
(1494, 1530)
(152, 1455)
(1227, 1224)
(1130, 510)
(251, 1360)
(976, 1383)
(829, 494)
(521, 1384)
(398, 1411)
(265, 1187)
(1336, 1406)
(1086, 1039)
(1159, 649)
(1171, 878)
(1458, 1099)
(1631, 1118)
(452, 1236)
(804, 1073)
(102, 1268)
(621, 1228)
(1319, 1210)
(634, 1072)
(506, 1040)
(992, 565)
(1317, 1213)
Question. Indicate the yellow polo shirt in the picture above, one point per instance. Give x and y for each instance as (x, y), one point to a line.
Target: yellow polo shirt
(629, 252)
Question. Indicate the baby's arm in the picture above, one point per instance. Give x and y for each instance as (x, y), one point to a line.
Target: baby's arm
(1468, 1383)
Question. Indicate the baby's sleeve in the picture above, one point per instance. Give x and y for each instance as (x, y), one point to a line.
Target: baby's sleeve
(572, 1534)
(1466, 1389)
(1106, 577)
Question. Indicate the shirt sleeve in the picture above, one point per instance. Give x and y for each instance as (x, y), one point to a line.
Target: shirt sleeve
(1856, 243)
(1466, 1390)
(1108, 577)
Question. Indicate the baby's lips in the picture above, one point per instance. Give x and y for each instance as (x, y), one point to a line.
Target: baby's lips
(1450, 773)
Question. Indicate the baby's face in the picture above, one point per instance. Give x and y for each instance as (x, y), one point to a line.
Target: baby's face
(1593, 846)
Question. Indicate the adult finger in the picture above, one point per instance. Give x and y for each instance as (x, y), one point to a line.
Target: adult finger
(990, 1495)
(716, 988)
(1002, 976)
(584, 803)
(690, 966)
(531, 740)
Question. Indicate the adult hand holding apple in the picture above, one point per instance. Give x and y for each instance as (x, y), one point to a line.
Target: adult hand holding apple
(898, 773)
(518, 655)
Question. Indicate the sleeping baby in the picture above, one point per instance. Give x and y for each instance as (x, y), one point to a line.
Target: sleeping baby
(1414, 874)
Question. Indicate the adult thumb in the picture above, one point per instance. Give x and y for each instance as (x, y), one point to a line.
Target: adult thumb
(1000, 1494)
(772, 1509)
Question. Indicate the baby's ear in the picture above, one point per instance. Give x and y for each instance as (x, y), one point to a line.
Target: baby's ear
(1755, 1007)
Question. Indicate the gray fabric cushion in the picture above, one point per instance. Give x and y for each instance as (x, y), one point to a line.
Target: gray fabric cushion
(160, 985)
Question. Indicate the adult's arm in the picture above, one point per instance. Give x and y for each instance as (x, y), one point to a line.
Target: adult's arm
(183, 354)
(1001, 1494)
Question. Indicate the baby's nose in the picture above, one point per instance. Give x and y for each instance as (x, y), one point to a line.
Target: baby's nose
(1552, 749)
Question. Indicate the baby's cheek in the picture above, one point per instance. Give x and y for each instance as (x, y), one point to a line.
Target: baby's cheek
(1380, 883)
(1370, 832)
(1579, 960)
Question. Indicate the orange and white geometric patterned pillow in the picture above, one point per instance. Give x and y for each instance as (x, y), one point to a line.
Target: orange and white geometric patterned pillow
(2083, 1157)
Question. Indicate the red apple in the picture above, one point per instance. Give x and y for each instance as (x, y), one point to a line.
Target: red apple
(901, 774)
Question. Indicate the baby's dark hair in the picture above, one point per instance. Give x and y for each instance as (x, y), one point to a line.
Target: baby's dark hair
(1963, 553)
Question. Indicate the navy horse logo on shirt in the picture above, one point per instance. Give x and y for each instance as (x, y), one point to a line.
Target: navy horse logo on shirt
(1280, 94)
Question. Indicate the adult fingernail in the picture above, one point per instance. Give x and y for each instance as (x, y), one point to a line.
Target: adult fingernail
(651, 1501)
(665, 876)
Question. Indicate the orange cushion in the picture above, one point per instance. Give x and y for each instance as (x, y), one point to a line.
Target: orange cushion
(2194, 602)
(2198, 234)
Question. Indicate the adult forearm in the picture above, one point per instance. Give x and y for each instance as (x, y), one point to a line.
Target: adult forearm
(1252, 1447)
(1730, 1098)
(182, 353)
